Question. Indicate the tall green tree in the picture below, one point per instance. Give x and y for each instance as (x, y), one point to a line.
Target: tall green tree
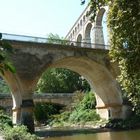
(124, 26)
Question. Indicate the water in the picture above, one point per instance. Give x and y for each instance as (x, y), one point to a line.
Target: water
(121, 135)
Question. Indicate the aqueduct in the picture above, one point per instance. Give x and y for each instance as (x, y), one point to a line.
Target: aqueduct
(32, 58)
(84, 30)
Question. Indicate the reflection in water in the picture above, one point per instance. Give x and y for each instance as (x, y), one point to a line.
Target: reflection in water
(123, 135)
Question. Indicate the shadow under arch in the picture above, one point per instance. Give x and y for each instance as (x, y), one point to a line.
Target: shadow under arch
(79, 40)
(88, 33)
(101, 81)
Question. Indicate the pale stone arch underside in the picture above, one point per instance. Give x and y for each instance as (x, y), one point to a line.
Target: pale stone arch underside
(98, 77)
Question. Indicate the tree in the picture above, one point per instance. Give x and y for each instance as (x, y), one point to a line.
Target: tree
(56, 39)
(124, 24)
(61, 81)
(5, 49)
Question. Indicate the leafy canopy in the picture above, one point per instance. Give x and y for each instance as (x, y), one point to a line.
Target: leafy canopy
(124, 26)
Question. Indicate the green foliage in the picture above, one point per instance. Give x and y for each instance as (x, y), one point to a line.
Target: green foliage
(43, 111)
(3, 87)
(83, 116)
(81, 111)
(125, 46)
(56, 39)
(84, 110)
(61, 81)
(123, 22)
(5, 49)
(5, 119)
(18, 133)
(129, 123)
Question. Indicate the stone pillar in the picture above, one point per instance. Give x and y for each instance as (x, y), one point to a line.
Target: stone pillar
(110, 111)
(16, 111)
(27, 114)
(98, 37)
(24, 114)
(86, 42)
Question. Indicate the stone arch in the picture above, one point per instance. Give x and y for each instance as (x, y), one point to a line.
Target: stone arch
(15, 87)
(107, 94)
(79, 40)
(98, 36)
(73, 33)
(72, 44)
(78, 26)
(84, 19)
(81, 22)
(99, 17)
(75, 29)
(87, 37)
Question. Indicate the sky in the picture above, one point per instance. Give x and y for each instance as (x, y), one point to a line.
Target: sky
(39, 17)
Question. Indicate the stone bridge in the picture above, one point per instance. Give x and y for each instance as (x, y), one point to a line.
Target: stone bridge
(31, 59)
(54, 98)
(84, 30)
(32, 56)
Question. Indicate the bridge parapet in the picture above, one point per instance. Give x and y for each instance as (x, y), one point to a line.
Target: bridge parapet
(33, 39)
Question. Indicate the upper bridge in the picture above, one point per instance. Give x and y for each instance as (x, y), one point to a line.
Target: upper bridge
(85, 30)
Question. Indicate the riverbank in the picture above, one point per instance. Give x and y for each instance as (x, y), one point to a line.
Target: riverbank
(76, 129)
(66, 131)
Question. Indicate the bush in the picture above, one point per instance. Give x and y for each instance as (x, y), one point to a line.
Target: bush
(83, 116)
(43, 111)
(18, 133)
(5, 119)
(129, 123)
(81, 110)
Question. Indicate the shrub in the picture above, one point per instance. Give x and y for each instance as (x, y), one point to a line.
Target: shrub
(5, 119)
(81, 110)
(129, 123)
(18, 133)
(43, 111)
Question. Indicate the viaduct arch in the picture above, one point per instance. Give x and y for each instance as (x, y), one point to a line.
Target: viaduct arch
(91, 32)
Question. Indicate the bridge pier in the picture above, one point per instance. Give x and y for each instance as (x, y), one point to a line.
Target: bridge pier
(98, 37)
(27, 114)
(110, 111)
(24, 115)
(22, 96)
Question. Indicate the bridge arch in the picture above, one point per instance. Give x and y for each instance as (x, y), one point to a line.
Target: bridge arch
(100, 80)
(79, 40)
(99, 17)
(88, 31)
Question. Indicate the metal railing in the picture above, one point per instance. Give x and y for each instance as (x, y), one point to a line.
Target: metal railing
(34, 39)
